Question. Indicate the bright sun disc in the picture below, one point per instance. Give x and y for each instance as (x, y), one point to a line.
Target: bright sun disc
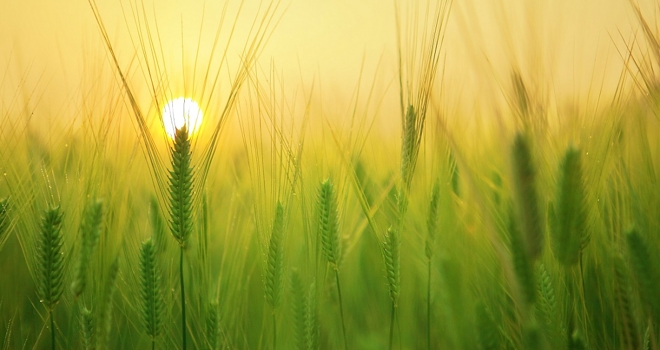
(179, 112)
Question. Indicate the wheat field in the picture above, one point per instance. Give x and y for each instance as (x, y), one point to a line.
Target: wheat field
(441, 174)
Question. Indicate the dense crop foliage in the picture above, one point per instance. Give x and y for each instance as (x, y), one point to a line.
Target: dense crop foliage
(305, 235)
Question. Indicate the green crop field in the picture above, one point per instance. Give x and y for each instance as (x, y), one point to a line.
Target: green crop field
(296, 218)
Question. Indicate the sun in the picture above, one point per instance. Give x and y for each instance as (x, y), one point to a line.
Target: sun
(179, 112)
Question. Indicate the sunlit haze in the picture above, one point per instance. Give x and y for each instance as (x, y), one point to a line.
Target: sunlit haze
(573, 47)
(179, 112)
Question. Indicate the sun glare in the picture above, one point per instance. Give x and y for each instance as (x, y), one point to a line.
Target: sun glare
(179, 112)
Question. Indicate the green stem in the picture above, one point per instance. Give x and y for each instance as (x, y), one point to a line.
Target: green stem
(52, 328)
(153, 343)
(274, 330)
(392, 325)
(428, 306)
(183, 301)
(341, 310)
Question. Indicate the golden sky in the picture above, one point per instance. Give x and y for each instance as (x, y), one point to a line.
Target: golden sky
(564, 47)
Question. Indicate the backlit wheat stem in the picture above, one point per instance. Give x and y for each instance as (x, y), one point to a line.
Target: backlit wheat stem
(181, 208)
(328, 226)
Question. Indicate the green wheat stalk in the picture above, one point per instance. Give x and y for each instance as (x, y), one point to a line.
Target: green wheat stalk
(104, 325)
(522, 263)
(150, 291)
(275, 265)
(645, 270)
(576, 341)
(409, 145)
(181, 206)
(328, 223)
(569, 229)
(524, 175)
(432, 220)
(212, 325)
(50, 263)
(4, 218)
(455, 175)
(328, 226)
(432, 227)
(298, 309)
(622, 292)
(487, 331)
(547, 306)
(311, 323)
(158, 226)
(86, 328)
(90, 230)
(391, 255)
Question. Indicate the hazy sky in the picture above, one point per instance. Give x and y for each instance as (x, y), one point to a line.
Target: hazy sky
(568, 46)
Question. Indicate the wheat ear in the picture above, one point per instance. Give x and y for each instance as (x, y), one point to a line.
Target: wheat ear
(150, 291)
(522, 263)
(328, 225)
(105, 316)
(487, 330)
(90, 230)
(181, 207)
(275, 265)
(311, 323)
(212, 325)
(431, 226)
(86, 328)
(391, 253)
(50, 263)
(298, 308)
(524, 175)
(275, 260)
(645, 270)
(570, 221)
(4, 217)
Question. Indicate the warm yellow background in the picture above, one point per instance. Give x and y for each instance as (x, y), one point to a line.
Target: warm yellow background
(568, 49)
